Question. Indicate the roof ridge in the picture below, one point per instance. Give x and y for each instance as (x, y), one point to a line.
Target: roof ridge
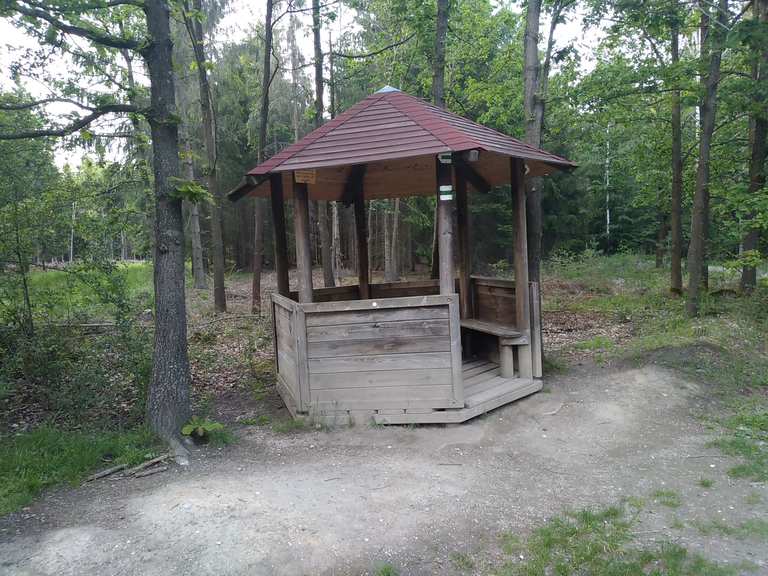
(287, 153)
(428, 107)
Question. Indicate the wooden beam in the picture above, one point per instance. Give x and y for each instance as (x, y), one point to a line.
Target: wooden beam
(462, 225)
(522, 298)
(278, 230)
(445, 224)
(303, 251)
(469, 173)
(353, 191)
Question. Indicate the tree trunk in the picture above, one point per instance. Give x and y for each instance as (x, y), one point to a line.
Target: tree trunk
(258, 208)
(388, 276)
(438, 97)
(758, 132)
(661, 236)
(338, 264)
(712, 42)
(395, 258)
(168, 398)
(295, 63)
(534, 112)
(198, 273)
(195, 30)
(676, 208)
(322, 206)
(391, 222)
(438, 70)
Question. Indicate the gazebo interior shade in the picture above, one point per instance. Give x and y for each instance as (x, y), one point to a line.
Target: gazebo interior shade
(397, 137)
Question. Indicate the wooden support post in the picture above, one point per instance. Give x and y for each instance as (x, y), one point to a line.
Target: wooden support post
(445, 223)
(361, 231)
(278, 229)
(522, 299)
(506, 361)
(462, 225)
(303, 251)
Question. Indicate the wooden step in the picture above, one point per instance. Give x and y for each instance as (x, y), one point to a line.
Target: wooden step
(503, 391)
(479, 369)
(480, 387)
(480, 378)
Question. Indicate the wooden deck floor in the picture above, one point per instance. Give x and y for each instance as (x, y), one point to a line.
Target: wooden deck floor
(484, 390)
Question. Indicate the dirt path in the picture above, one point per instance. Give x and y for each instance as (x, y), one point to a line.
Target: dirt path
(347, 501)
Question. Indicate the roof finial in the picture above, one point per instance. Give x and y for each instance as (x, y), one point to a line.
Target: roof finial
(387, 88)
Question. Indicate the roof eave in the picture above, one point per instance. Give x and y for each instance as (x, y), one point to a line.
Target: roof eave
(246, 186)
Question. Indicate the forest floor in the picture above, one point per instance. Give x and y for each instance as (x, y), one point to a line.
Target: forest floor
(645, 451)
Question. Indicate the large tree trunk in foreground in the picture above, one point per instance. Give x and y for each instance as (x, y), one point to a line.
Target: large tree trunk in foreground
(195, 30)
(757, 137)
(438, 97)
(168, 401)
(258, 208)
(713, 39)
(676, 208)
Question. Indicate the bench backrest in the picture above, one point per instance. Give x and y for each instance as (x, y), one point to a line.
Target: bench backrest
(493, 300)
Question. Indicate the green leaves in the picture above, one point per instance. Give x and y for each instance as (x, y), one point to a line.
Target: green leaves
(191, 191)
(200, 427)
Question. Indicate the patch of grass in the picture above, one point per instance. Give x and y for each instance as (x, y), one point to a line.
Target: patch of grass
(754, 529)
(706, 482)
(553, 364)
(387, 570)
(33, 461)
(595, 343)
(668, 498)
(746, 436)
(753, 498)
(262, 420)
(289, 425)
(462, 561)
(677, 524)
(601, 542)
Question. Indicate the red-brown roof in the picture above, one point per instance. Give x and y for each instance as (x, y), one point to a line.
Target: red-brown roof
(388, 126)
(392, 124)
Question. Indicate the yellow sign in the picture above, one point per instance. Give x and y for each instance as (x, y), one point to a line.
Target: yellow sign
(305, 176)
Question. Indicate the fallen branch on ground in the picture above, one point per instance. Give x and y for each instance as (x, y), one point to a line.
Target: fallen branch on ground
(136, 469)
(106, 472)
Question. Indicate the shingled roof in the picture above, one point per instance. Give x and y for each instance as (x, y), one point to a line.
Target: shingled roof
(392, 125)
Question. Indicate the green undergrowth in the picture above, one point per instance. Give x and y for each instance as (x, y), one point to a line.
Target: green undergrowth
(723, 350)
(33, 461)
(77, 293)
(601, 542)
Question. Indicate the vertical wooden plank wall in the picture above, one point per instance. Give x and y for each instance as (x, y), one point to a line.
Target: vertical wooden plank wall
(283, 313)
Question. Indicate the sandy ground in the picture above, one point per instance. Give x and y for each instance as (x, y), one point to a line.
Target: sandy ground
(346, 501)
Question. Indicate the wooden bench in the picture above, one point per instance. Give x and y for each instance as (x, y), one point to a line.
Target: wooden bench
(507, 338)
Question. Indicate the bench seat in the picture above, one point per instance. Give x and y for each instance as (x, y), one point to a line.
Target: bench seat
(508, 337)
(507, 334)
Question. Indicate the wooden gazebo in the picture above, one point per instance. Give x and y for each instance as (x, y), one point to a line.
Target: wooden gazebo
(426, 351)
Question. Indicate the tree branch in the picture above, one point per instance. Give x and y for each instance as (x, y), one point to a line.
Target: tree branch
(12, 106)
(95, 36)
(375, 52)
(78, 124)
